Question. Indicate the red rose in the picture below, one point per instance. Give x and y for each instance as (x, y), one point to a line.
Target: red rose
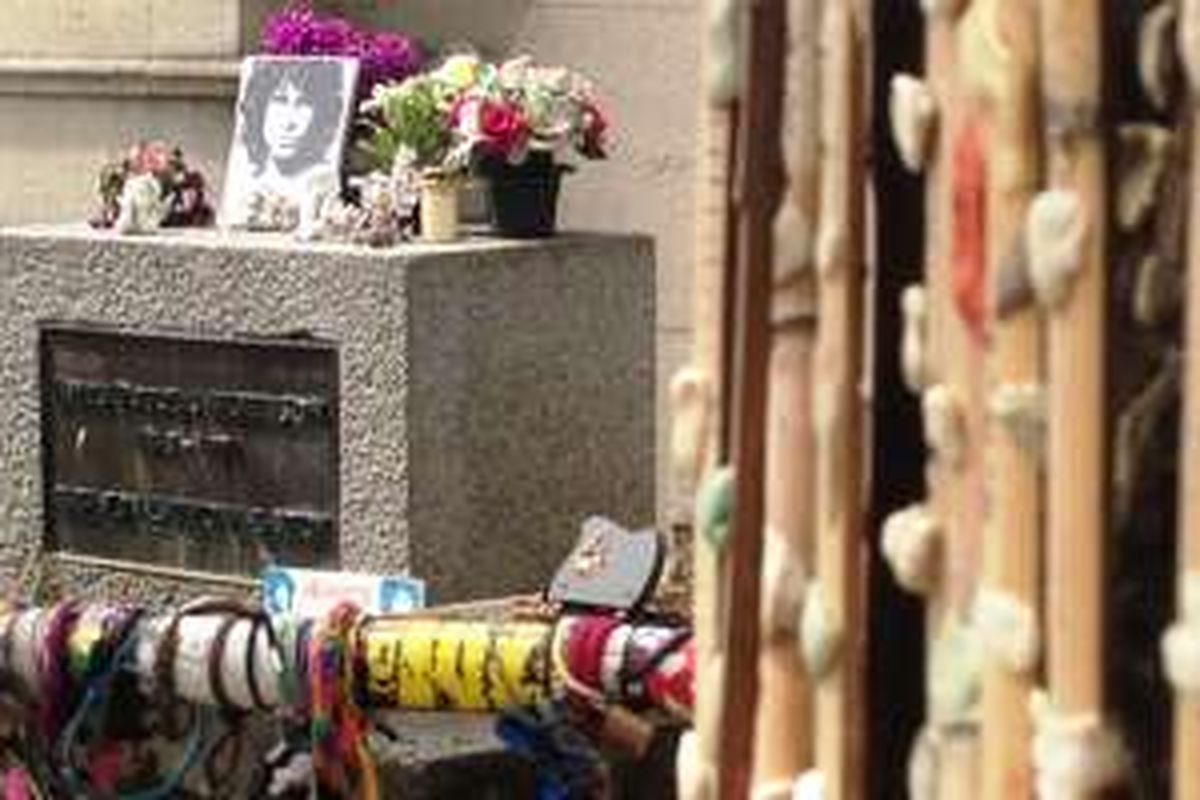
(503, 127)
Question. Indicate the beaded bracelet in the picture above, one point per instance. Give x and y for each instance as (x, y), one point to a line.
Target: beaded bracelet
(120, 644)
(53, 668)
(338, 723)
(216, 658)
(304, 689)
(168, 650)
(284, 632)
(26, 633)
(6, 646)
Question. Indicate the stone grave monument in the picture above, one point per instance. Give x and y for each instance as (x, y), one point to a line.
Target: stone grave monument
(204, 403)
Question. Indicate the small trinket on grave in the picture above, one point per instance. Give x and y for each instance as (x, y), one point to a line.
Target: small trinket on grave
(151, 187)
(270, 211)
(141, 206)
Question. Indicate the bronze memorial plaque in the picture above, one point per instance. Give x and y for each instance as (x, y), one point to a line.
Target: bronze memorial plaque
(217, 454)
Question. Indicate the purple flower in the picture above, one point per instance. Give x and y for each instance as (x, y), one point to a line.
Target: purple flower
(390, 57)
(297, 30)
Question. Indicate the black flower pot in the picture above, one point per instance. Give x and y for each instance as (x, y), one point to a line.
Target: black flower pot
(524, 196)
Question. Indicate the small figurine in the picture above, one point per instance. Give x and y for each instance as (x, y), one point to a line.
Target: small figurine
(320, 190)
(151, 187)
(269, 211)
(141, 205)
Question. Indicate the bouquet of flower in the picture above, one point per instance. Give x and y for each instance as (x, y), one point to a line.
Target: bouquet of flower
(384, 56)
(516, 123)
(163, 181)
(412, 122)
(518, 107)
(467, 110)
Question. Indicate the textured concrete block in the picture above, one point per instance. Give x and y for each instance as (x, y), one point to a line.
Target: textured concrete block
(492, 393)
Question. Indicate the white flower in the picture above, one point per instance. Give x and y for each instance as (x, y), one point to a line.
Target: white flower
(515, 72)
(554, 79)
(405, 185)
(458, 71)
(468, 118)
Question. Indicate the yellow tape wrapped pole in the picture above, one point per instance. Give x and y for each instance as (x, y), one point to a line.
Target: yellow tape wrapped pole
(411, 662)
(429, 664)
(834, 628)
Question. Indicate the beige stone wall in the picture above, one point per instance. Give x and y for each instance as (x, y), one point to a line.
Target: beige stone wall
(129, 28)
(52, 144)
(644, 56)
(80, 78)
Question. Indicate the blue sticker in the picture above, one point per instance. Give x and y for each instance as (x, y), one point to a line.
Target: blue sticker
(398, 595)
(278, 591)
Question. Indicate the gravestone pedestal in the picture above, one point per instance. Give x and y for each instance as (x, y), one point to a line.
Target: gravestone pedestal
(489, 394)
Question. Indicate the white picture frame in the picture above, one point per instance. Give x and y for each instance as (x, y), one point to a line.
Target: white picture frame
(292, 119)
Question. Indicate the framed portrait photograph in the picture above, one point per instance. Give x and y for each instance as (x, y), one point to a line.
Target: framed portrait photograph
(293, 114)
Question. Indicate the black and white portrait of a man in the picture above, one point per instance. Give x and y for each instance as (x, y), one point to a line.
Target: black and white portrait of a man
(292, 118)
